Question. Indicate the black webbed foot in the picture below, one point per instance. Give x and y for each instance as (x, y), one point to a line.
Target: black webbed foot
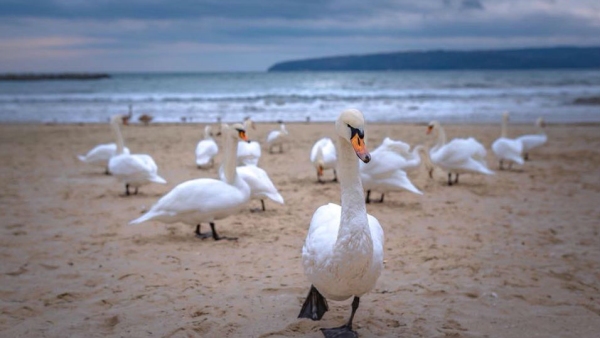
(340, 332)
(314, 306)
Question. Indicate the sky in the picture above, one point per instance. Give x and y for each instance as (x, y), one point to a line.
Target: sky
(252, 35)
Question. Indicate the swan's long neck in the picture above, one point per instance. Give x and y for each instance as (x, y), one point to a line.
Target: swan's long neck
(441, 136)
(229, 160)
(503, 128)
(539, 127)
(354, 223)
(117, 132)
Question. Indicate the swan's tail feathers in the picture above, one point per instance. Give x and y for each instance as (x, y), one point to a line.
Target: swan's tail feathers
(314, 306)
(147, 216)
(485, 170)
(276, 197)
(81, 158)
(158, 179)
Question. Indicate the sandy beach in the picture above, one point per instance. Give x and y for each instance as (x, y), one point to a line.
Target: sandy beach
(516, 254)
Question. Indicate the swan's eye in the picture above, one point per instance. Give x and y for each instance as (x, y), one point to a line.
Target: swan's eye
(355, 131)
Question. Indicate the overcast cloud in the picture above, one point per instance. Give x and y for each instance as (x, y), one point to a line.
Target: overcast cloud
(251, 35)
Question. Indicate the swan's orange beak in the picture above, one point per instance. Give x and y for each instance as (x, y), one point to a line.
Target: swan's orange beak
(429, 129)
(360, 148)
(242, 134)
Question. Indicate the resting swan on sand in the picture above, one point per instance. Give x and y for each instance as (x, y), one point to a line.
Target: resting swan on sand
(507, 149)
(387, 171)
(323, 157)
(134, 170)
(101, 154)
(343, 252)
(276, 138)
(205, 199)
(206, 150)
(458, 156)
(248, 153)
(534, 140)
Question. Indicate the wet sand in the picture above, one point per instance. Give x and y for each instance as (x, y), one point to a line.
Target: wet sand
(516, 254)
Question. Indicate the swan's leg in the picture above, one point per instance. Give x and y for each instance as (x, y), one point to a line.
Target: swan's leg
(344, 331)
(449, 178)
(216, 236)
(126, 189)
(262, 202)
(526, 157)
(314, 306)
(456, 179)
(368, 198)
(199, 234)
(500, 163)
(431, 173)
(381, 199)
(334, 176)
(136, 191)
(106, 171)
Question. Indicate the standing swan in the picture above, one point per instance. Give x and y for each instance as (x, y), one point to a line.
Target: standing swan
(206, 150)
(507, 149)
(343, 252)
(323, 156)
(277, 137)
(134, 170)
(205, 199)
(458, 156)
(533, 140)
(248, 153)
(101, 154)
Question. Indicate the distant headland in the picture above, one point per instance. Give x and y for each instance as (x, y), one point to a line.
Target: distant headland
(53, 76)
(505, 59)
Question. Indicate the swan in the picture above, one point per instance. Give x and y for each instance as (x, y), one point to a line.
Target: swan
(459, 156)
(134, 170)
(101, 154)
(206, 150)
(205, 199)
(507, 149)
(386, 172)
(248, 153)
(260, 184)
(534, 140)
(276, 138)
(323, 157)
(343, 252)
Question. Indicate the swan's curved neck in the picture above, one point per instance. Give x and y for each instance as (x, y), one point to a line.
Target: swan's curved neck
(540, 129)
(503, 128)
(441, 136)
(354, 220)
(119, 137)
(229, 160)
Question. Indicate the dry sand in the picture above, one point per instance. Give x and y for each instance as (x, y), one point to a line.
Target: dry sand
(511, 255)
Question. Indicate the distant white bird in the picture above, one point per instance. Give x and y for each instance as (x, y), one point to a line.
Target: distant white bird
(276, 138)
(323, 157)
(205, 199)
(458, 156)
(206, 150)
(260, 184)
(134, 170)
(386, 172)
(248, 153)
(100, 155)
(534, 140)
(507, 149)
(343, 252)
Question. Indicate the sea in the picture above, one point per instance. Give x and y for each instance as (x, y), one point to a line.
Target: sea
(477, 96)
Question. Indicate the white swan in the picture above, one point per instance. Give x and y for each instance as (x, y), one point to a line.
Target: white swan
(248, 153)
(323, 157)
(343, 252)
(134, 170)
(206, 150)
(276, 138)
(101, 154)
(533, 140)
(458, 156)
(386, 172)
(507, 149)
(260, 184)
(205, 199)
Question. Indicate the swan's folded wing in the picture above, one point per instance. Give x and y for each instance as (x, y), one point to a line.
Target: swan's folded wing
(322, 233)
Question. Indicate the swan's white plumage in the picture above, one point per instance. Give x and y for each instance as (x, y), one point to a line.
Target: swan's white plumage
(534, 140)
(133, 170)
(101, 154)
(204, 199)
(248, 152)
(343, 252)
(277, 138)
(459, 155)
(260, 184)
(323, 155)
(507, 149)
(206, 150)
